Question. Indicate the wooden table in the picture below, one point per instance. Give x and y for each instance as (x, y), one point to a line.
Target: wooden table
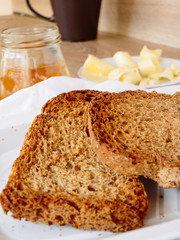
(105, 45)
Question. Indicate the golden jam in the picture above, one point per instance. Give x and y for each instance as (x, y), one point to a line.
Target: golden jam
(18, 78)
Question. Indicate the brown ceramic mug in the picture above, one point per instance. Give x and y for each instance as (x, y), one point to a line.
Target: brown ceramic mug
(77, 19)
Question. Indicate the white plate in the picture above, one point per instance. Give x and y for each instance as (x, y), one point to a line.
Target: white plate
(163, 218)
(165, 62)
(16, 113)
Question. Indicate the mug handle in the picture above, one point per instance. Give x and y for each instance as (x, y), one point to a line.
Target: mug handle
(38, 14)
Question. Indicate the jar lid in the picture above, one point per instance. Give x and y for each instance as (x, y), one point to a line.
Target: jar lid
(31, 36)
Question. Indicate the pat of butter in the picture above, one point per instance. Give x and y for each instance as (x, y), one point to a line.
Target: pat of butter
(158, 81)
(129, 75)
(96, 69)
(175, 69)
(167, 74)
(149, 66)
(124, 59)
(147, 53)
(145, 81)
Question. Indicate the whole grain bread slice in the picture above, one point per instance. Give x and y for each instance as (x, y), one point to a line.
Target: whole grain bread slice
(138, 133)
(57, 177)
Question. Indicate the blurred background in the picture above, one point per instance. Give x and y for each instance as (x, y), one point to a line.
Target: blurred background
(152, 20)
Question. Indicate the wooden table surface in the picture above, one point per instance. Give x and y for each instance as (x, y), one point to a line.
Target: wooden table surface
(105, 45)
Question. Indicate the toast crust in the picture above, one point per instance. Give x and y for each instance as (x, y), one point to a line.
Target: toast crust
(57, 177)
(138, 133)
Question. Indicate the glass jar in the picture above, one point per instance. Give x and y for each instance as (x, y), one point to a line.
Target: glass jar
(29, 55)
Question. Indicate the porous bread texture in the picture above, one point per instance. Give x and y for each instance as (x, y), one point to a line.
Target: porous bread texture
(58, 179)
(138, 133)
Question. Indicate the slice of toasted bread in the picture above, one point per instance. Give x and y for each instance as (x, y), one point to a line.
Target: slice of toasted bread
(58, 179)
(138, 133)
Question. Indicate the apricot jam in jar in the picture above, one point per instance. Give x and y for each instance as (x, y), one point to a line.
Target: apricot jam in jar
(29, 55)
